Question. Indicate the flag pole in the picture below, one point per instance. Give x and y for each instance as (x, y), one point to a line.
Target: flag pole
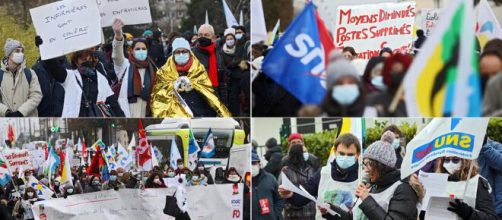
(395, 100)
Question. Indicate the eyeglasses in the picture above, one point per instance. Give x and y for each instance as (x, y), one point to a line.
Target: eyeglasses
(453, 160)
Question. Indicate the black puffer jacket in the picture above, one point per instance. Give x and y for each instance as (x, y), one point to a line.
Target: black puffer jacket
(265, 189)
(274, 158)
(402, 205)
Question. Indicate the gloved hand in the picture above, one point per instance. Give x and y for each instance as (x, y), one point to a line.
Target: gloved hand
(38, 41)
(15, 114)
(460, 208)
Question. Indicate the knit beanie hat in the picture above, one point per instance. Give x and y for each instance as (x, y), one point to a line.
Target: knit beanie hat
(339, 69)
(229, 31)
(11, 45)
(382, 150)
(180, 43)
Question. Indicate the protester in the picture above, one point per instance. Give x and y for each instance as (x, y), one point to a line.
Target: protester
(311, 159)
(266, 202)
(299, 172)
(273, 157)
(492, 104)
(113, 183)
(372, 76)
(385, 181)
(180, 166)
(490, 167)
(197, 179)
(19, 86)
(339, 175)
(349, 53)
(232, 176)
(490, 64)
(203, 172)
(385, 52)
(183, 87)
(23, 210)
(156, 50)
(396, 144)
(135, 89)
(420, 40)
(230, 61)
(155, 180)
(94, 184)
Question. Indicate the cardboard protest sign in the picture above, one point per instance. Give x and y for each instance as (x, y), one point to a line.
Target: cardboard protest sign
(444, 137)
(430, 18)
(130, 204)
(18, 159)
(369, 28)
(129, 11)
(67, 26)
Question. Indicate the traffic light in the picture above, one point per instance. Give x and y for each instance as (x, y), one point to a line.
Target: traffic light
(55, 129)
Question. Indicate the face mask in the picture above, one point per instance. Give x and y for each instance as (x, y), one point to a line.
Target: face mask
(377, 81)
(69, 191)
(140, 55)
(345, 162)
(129, 43)
(204, 41)
(396, 143)
(195, 178)
(88, 64)
(121, 174)
(95, 183)
(345, 94)
(238, 36)
(157, 181)
(233, 178)
(452, 167)
(180, 167)
(170, 174)
(18, 58)
(230, 43)
(255, 170)
(113, 178)
(201, 168)
(145, 178)
(306, 156)
(56, 183)
(181, 59)
(30, 194)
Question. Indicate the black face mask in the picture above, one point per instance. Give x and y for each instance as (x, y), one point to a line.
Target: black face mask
(204, 41)
(396, 78)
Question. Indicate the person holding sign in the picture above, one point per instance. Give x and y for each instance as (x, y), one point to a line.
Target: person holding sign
(19, 86)
(135, 89)
(476, 202)
(183, 88)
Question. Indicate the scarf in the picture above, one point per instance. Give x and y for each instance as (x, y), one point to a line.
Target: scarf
(135, 88)
(186, 67)
(213, 69)
(230, 51)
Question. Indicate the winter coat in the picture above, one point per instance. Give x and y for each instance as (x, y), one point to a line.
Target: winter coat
(271, 99)
(381, 102)
(492, 103)
(298, 176)
(17, 93)
(312, 161)
(52, 101)
(274, 158)
(490, 167)
(265, 189)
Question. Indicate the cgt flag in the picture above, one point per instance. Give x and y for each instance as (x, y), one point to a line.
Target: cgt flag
(442, 137)
(298, 59)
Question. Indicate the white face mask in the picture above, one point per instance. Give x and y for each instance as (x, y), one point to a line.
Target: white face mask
(452, 167)
(69, 191)
(255, 170)
(30, 194)
(233, 178)
(18, 57)
(230, 43)
(305, 156)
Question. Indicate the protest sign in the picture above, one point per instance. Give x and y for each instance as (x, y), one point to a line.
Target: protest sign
(67, 26)
(430, 17)
(18, 159)
(37, 158)
(129, 11)
(369, 28)
(239, 158)
(456, 137)
(130, 204)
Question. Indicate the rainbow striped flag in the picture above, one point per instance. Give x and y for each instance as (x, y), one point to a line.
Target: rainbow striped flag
(443, 80)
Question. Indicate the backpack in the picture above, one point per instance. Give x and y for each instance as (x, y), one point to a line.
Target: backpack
(27, 74)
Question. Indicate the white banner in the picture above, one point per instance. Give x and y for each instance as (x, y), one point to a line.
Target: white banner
(67, 26)
(430, 18)
(18, 159)
(369, 28)
(240, 158)
(443, 137)
(129, 11)
(37, 158)
(213, 202)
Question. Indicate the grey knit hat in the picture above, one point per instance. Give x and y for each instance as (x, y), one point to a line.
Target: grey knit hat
(11, 45)
(339, 69)
(382, 150)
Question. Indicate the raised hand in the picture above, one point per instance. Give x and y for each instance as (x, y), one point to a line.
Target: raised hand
(117, 28)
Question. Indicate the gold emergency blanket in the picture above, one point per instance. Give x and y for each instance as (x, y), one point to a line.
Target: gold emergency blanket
(165, 104)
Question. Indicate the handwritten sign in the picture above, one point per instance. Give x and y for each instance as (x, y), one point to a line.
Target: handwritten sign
(129, 204)
(67, 26)
(18, 159)
(369, 28)
(129, 11)
(430, 17)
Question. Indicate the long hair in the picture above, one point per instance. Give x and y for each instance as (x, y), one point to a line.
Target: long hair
(464, 168)
(295, 158)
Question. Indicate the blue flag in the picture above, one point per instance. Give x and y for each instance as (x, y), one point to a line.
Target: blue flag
(209, 148)
(297, 61)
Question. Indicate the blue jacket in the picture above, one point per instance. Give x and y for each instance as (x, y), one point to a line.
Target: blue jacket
(490, 167)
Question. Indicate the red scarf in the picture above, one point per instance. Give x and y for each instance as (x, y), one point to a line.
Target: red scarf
(136, 64)
(213, 69)
(186, 67)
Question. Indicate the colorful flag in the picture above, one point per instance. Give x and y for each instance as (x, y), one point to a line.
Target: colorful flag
(298, 61)
(52, 162)
(174, 154)
(124, 159)
(66, 169)
(143, 150)
(274, 37)
(443, 79)
(10, 134)
(110, 158)
(132, 143)
(193, 150)
(229, 17)
(487, 26)
(79, 145)
(42, 191)
(84, 148)
(5, 174)
(209, 148)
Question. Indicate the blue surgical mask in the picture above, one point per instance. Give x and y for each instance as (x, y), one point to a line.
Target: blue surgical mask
(377, 81)
(113, 178)
(396, 143)
(140, 55)
(238, 36)
(345, 94)
(305, 156)
(181, 59)
(345, 162)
